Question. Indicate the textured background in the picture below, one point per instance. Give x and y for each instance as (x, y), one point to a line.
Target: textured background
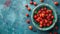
(13, 19)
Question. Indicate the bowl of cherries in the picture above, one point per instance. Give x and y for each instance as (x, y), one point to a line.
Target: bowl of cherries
(44, 17)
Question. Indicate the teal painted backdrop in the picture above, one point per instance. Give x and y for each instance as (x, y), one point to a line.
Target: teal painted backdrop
(13, 18)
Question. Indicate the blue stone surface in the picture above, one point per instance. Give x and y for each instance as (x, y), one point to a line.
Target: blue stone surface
(13, 17)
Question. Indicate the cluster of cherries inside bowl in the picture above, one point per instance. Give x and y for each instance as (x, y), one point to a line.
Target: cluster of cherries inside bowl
(44, 17)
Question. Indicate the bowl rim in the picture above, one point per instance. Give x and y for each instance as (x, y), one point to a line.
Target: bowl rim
(44, 29)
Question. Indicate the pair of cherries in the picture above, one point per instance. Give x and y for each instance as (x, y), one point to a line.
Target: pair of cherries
(34, 3)
(44, 17)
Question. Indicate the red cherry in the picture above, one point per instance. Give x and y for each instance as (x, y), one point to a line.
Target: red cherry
(26, 5)
(27, 15)
(31, 2)
(35, 3)
(28, 21)
(40, 19)
(46, 21)
(52, 17)
(42, 9)
(39, 12)
(50, 11)
(41, 26)
(48, 24)
(48, 17)
(37, 20)
(42, 14)
(56, 27)
(41, 22)
(29, 8)
(30, 27)
(50, 33)
(50, 14)
(44, 25)
(47, 11)
(56, 3)
(41, 0)
(45, 8)
(35, 16)
(55, 33)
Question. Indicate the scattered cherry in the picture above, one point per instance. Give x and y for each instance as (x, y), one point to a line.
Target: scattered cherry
(50, 33)
(56, 3)
(29, 8)
(28, 21)
(31, 2)
(55, 33)
(35, 3)
(41, 0)
(56, 27)
(30, 27)
(26, 5)
(27, 15)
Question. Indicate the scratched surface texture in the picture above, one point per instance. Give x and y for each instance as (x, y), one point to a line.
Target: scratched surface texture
(13, 19)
